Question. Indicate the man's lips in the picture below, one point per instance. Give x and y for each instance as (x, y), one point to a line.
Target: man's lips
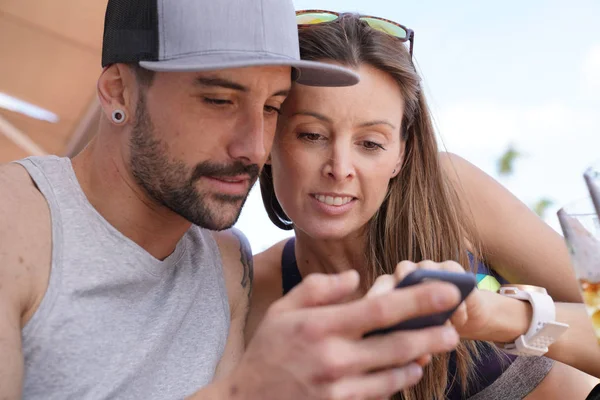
(232, 179)
(230, 185)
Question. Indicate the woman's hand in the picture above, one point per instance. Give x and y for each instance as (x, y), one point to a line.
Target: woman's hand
(473, 316)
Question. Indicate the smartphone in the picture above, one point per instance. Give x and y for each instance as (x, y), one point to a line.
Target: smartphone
(465, 282)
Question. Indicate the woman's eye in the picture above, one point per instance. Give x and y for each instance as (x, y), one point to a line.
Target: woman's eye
(367, 144)
(312, 137)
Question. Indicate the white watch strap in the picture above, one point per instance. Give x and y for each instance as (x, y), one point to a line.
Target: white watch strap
(543, 330)
(543, 338)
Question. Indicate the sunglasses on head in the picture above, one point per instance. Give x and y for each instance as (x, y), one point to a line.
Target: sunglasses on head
(314, 17)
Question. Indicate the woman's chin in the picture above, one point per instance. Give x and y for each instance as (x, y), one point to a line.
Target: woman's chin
(327, 231)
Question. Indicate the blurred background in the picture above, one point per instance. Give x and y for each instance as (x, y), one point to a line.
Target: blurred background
(514, 87)
(49, 63)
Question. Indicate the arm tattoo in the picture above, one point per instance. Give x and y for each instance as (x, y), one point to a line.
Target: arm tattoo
(246, 260)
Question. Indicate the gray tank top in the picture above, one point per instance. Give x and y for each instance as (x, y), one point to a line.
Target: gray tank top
(115, 322)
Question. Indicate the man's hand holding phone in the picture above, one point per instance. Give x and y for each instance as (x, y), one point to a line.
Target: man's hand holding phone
(311, 343)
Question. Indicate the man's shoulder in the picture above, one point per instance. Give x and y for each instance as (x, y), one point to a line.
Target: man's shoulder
(21, 203)
(238, 265)
(15, 181)
(231, 240)
(267, 283)
(25, 235)
(234, 247)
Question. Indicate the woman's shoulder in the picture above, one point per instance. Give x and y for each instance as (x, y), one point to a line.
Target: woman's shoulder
(459, 171)
(471, 183)
(267, 264)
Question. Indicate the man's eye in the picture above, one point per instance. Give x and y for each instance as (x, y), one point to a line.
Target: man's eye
(273, 110)
(217, 102)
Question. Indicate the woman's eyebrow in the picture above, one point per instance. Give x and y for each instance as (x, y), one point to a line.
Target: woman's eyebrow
(314, 115)
(377, 122)
(328, 120)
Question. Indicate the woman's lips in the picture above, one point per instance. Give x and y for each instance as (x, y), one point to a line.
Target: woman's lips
(333, 204)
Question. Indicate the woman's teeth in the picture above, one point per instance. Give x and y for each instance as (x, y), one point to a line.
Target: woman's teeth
(333, 201)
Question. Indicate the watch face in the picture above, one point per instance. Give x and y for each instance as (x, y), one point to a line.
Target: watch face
(526, 288)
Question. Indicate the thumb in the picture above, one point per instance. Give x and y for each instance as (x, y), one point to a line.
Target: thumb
(319, 289)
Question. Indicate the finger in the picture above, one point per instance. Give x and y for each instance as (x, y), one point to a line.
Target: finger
(404, 268)
(400, 348)
(367, 314)
(383, 284)
(319, 289)
(460, 316)
(375, 385)
(428, 264)
(423, 360)
(452, 266)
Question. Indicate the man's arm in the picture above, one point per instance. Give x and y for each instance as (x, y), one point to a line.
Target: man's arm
(11, 367)
(310, 343)
(267, 286)
(24, 267)
(238, 271)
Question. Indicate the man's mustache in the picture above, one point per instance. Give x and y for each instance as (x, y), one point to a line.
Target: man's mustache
(216, 170)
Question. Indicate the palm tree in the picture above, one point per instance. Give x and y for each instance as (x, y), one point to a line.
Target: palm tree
(506, 168)
(506, 163)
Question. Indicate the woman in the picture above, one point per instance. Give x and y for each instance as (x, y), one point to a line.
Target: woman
(358, 172)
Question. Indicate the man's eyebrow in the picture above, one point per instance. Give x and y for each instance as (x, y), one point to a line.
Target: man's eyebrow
(227, 84)
(284, 92)
(314, 115)
(220, 82)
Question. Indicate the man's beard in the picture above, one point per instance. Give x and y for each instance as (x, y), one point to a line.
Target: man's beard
(171, 183)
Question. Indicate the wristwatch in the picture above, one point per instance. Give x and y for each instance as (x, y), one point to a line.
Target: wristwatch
(543, 330)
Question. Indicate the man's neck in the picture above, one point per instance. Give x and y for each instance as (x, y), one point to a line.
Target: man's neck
(108, 185)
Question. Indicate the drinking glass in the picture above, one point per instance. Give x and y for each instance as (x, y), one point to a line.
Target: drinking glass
(592, 179)
(581, 227)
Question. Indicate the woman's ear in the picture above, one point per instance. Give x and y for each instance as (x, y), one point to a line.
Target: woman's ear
(398, 164)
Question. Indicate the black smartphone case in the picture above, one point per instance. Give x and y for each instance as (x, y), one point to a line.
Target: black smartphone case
(465, 282)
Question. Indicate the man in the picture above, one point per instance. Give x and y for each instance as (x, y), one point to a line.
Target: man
(114, 282)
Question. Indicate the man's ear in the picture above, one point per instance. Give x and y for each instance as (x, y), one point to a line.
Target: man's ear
(116, 92)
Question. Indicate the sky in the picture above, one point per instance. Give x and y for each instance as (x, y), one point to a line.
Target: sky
(496, 74)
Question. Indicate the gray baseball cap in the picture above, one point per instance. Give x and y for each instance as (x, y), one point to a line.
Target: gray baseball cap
(206, 35)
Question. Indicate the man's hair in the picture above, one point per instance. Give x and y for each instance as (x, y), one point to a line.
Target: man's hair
(421, 217)
(144, 76)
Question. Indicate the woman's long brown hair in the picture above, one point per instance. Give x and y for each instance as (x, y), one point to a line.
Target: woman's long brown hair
(421, 217)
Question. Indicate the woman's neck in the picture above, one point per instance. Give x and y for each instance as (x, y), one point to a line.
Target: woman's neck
(331, 256)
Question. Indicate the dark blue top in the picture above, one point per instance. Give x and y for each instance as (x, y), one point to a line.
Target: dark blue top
(488, 368)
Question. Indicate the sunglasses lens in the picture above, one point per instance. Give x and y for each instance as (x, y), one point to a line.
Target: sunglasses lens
(386, 27)
(315, 18)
